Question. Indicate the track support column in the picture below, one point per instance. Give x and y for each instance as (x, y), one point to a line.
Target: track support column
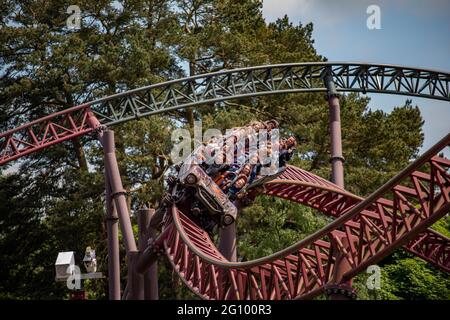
(337, 160)
(135, 281)
(111, 220)
(227, 247)
(339, 290)
(227, 242)
(146, 232)
(113, 244)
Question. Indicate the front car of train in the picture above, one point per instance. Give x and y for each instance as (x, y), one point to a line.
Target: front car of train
(219, 176)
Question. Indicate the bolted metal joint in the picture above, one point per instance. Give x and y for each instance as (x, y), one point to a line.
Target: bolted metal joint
(112, 218)
(341, 289)
(331, 87)
(118, 193)
(100, 129)
(168, 199)
(340, 158)
(156, 248)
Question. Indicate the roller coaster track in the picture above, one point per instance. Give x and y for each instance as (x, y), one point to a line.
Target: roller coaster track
(364, 232)
(221, 86)
(305, 188)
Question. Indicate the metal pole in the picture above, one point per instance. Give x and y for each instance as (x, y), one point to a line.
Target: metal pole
(134, 284)
(117, 191)
(341, 290)
(227, 247)
(337, 160)
(113, 244)
(227, 242)
(111, 220)
(146, 232)
(154, 249)
(135, 280)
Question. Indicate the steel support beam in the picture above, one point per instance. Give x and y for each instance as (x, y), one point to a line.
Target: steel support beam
(135, 280)
(146, 232)
(111, 221)
(135, 287)
(341, 290)
(113, 244)
(154, 249)
(337, 159)
(227, 246)
(227, 242)
(117, 191)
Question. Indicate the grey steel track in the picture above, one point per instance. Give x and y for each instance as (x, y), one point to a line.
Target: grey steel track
(270, 79)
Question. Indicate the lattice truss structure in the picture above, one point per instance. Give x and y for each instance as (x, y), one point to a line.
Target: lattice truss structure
(45, 132)
(258, 81)
(365, 231)
(222, 86)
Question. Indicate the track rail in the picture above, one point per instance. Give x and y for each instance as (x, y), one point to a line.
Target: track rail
(364, 232)
(307, 189)
(45, 132)
(221, 86)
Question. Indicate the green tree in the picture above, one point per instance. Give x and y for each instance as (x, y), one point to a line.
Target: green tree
(48, 67)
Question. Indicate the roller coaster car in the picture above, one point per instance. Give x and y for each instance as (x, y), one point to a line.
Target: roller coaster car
(192, 176)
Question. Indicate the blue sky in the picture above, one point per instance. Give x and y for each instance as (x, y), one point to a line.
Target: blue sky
(413, 33)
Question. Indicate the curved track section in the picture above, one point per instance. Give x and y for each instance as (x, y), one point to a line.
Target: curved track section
(221, 86)
(306, 188)
(363, 234)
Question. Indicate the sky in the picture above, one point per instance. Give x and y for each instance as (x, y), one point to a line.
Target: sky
(413, 33)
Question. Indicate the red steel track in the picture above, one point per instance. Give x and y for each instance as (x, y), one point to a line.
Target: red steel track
(364, 232)
(45, 132)
(305, 188)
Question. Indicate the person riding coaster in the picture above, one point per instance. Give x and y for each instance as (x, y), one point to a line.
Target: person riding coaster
(212, 192)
